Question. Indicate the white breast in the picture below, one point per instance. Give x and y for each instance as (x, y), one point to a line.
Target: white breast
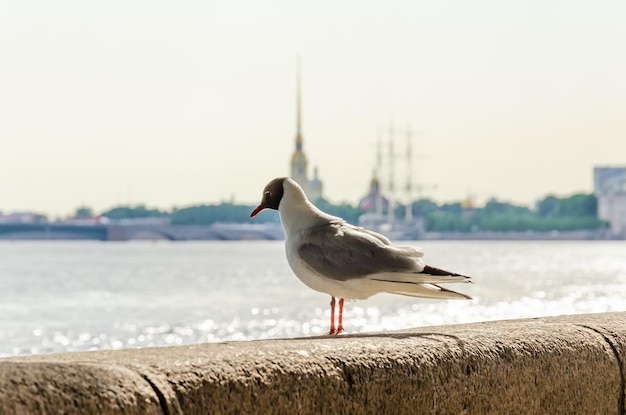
(297, 215)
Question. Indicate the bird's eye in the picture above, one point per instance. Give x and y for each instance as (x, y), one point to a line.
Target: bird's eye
(267, 195)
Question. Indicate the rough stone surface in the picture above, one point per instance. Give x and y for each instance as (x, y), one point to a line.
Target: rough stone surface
(69, 386)
(559, 365)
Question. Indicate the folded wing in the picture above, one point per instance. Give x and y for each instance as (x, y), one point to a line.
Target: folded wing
(343, 252)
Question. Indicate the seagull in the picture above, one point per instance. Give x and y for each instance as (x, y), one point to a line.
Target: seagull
(348, 262)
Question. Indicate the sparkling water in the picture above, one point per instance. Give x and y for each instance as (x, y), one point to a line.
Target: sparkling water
(87, 295)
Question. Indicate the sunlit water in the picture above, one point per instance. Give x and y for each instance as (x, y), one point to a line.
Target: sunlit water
(66, 296)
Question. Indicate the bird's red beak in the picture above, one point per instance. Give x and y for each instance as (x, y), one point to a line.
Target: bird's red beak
(257, 210)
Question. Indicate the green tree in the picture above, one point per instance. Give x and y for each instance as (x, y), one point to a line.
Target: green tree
(455, 208)
(548, 206)
(84, 212)
(447, 222)
(343, 210)
(127, 212)
(580, 205)
(424, 207)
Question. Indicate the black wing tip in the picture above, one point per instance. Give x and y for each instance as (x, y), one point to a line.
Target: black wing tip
(438, 271)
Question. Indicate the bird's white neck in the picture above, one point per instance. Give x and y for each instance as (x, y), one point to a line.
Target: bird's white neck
(297, 213)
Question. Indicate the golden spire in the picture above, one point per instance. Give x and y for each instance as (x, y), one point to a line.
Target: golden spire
(374, 181)
(298, 107)
(299, 162)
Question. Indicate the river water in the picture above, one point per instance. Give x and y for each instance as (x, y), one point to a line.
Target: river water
(87, 295)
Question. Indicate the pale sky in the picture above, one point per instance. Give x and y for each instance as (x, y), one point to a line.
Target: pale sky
(173, 103)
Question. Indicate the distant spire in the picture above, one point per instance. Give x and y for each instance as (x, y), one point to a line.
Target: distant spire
(298, 106)
(298, 159)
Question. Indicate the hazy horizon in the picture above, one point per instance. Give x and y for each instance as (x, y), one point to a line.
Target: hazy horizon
(163, 104)
(168, 209)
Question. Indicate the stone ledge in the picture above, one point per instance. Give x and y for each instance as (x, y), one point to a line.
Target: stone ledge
(556, 365)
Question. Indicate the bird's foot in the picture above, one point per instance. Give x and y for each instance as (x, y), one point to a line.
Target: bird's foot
(335, 331)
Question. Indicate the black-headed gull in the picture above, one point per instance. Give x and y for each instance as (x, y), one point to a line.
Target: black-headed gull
(348, 262)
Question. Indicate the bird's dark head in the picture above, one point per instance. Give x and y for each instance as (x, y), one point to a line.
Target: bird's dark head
(272, 195)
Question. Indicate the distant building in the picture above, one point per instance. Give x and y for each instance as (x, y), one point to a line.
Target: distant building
(96, 220)
(299, 163)
(22, 217)
(467, 207)
(314, 187)
(610, 190)
(374, 204)
(374, 200)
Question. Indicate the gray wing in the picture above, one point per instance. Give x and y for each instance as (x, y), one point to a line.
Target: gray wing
(343, 252)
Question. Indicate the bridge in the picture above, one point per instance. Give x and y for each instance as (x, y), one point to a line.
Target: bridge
(115, 232)
(18, 231)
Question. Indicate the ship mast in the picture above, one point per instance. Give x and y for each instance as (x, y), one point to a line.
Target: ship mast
(409, 184)
(390, 209)
(379, 169)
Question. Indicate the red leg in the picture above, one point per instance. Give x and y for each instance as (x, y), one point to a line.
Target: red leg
(332, 317)
(340, 327)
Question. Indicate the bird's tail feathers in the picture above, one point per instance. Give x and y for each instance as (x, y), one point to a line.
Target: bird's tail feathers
(429, 275)
(426, 291)
(418, 278)
(421, 284)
